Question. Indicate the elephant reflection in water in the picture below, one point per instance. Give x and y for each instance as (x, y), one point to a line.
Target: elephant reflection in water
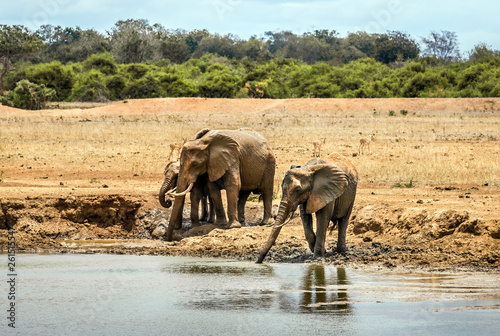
(317, 297)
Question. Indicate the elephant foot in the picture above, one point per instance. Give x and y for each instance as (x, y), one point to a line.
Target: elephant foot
(341, 249)
(220, 222)
(235, 225)
(263, 222)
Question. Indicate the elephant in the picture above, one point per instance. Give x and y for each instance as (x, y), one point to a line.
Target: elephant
(240, 161)
(326, 188)
(198, 193)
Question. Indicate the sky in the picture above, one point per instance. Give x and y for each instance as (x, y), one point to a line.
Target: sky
(474, 22)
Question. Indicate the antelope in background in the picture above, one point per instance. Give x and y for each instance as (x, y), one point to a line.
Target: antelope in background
(365, 143)
(317, 147)
(176, 146)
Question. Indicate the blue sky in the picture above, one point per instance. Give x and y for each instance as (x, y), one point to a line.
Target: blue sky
(474, 22)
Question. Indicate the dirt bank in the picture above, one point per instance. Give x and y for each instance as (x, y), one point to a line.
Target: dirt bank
(382, 234)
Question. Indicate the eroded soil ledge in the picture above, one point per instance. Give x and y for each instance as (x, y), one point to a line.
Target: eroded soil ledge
(386, 235)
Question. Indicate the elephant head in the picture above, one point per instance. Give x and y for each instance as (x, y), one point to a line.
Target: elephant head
(314, 187)
(214, 153)
(171, 173)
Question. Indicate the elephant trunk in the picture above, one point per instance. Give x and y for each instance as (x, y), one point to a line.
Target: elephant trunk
(283, 213)
(166, 187)
(176, 214)
(175, 217)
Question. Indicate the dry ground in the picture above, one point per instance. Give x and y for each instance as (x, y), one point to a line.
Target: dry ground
(429, 190)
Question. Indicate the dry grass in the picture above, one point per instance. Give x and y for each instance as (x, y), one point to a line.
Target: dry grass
(110, 144)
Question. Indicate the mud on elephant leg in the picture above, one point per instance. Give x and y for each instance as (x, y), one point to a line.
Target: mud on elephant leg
(242, 199)
(233, 187)
(323, 217)
(342, 230)
(307, 222)
(220, 214)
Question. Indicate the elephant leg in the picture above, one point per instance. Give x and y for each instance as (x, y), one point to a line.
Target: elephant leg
(175, 217)
(342, 223)
(242, 200)
(233, 186)
(211, 209)
(217, 203)
(195, 207)
(204, 208)
(323, 217)
(267, 189)
(209, 203)
(308, 227)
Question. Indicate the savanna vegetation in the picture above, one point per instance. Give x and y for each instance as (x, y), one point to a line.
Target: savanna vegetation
(137, 60)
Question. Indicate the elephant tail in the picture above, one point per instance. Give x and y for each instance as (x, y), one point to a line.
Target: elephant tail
(335, 222)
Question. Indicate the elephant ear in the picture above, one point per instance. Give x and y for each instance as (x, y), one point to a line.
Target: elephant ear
(224, 152)
(201, 133)
(328, 183)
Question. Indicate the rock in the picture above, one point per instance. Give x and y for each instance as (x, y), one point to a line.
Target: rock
(159, 232)
(367, 220)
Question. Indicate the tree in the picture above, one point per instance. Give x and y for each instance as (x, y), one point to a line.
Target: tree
(174, 48)
(443, 45)
(482, 53)
(59, 43)
(394, 46)
(15, 41)
(135, 41)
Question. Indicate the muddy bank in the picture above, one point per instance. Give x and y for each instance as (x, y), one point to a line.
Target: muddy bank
(383, 235)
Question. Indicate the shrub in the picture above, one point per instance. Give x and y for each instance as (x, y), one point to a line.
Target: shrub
(55, 76)
(146, 87)
(135, 70)
(90, 87)
(172, 85)
(116, 85)
(104, 62)
(28, 95)
(219, 84)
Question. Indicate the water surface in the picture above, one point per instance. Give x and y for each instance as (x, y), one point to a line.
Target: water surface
(145, 295)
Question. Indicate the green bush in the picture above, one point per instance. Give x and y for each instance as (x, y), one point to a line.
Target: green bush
(219, 84)
(146, 87)
(172, 85)
(135, 70)
(104, 62)
(423, 84)
(90, 86)
(116, 86)
(28, 96)
(55, 76)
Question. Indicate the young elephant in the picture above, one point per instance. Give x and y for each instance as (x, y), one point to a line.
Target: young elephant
(326, 188)
(199, 193)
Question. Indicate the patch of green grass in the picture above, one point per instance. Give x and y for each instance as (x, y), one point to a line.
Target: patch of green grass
(410, 184)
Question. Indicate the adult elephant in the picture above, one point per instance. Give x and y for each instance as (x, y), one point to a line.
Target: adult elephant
(242, 162)
(199, 194)
(326, 188)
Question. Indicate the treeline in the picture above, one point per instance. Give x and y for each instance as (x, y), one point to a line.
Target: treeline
(137, 60)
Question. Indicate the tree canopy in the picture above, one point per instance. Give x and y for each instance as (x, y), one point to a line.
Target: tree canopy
(135, 59)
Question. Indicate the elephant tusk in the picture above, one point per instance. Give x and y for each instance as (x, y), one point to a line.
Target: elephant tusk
(170, 192)
(182, 193)
(285, 222)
